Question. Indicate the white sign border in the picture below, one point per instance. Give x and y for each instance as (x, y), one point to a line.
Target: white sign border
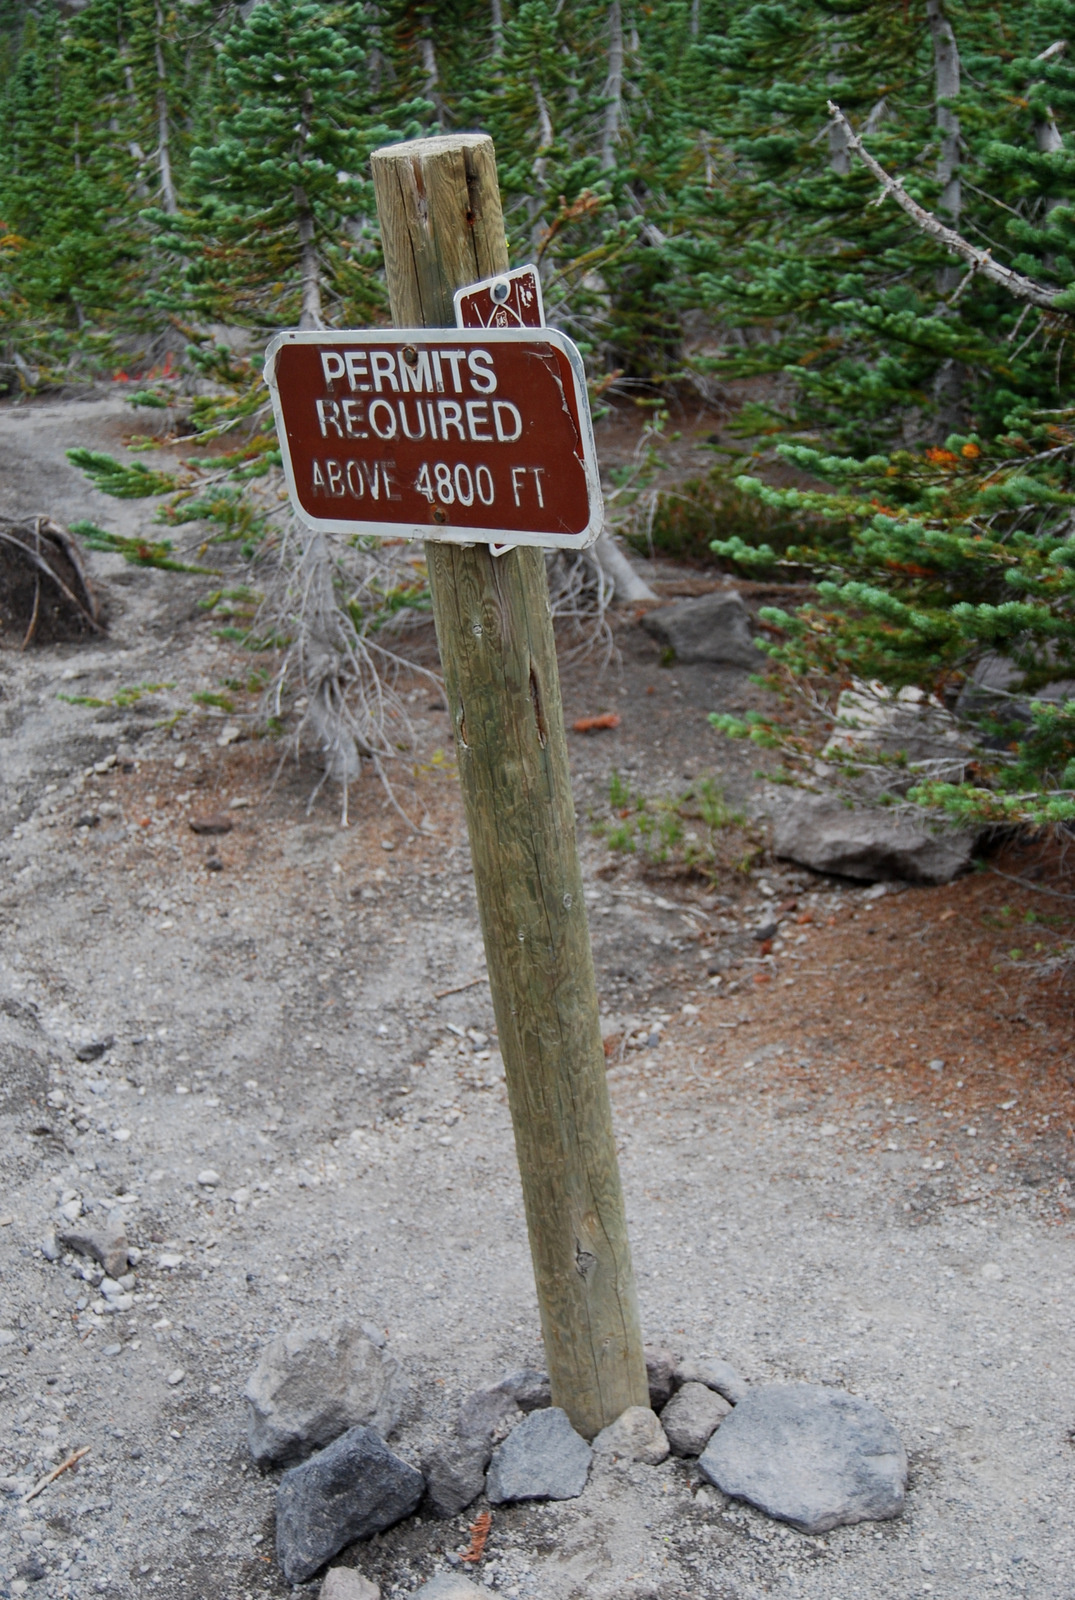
(442, 533)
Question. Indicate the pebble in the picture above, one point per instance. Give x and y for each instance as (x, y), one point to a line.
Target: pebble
(106, 1244)
(111, 1349)
(6, 1336)
(355, 1488)
(176, 1376)
(691, 1418)
(811, 1456)
(542, 1459)
(208, 1178)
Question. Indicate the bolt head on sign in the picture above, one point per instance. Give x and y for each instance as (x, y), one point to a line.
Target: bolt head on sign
(463, 434)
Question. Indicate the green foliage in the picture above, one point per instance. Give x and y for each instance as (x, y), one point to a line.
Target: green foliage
(123, 698)
(694, 834)
(139, 552)
(127, 481)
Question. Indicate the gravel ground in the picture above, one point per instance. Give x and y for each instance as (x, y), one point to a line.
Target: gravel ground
(275, 1020)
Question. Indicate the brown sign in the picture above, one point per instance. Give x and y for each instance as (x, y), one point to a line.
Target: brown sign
(456, 433)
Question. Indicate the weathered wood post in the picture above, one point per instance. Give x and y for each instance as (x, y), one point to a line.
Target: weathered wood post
(441, 225)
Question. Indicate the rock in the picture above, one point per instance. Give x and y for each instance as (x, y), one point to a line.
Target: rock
(94, 1049)
(713, 627)
(811, 1456)
(49, 1246)
(354, 1488)
(488, 1415)
(636, 1435)
(691, 1417)
(715, 1374)
(872, 720)
(454, 1471)
(660, 1373)
(542, 1459)
(344, 1583)
(447, 1586)
(106, 1243)
(821, 832)
(312, 1384)
(175, 1377)
(993, 689)
(209, 1179)
(528, 1388)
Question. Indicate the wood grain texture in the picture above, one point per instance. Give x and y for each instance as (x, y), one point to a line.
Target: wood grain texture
(442, 227)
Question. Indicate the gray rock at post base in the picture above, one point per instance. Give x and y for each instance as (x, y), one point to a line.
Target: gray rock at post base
(715, 1374)
(344, 1583)
(691, 1417)
(312, 1384)
(714, 627)
(528, 1388)
(454, 1471)
(636, 1435)
(660, 1375)
(106, 1242)
(542, 1459)
(813, 1457)
(448, 1586)
(488, 1415)
(355, 1488)
(874, 846)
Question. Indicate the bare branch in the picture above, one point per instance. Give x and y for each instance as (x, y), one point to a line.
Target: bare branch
(1038, 294)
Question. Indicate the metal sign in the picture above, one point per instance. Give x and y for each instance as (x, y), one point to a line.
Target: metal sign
(428, 433)
(512, 300)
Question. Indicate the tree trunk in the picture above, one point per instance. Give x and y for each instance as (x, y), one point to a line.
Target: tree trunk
(497, 13)
(309, 266)
(613, 87)
(164, 155)
(946, 80)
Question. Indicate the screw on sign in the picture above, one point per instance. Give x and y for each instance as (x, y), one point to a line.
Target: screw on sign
(453, 434)
(510, 300)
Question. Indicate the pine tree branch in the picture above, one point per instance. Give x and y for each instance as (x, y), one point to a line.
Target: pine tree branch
(979, 260)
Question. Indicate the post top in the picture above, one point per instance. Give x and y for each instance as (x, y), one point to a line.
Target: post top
(437, 144)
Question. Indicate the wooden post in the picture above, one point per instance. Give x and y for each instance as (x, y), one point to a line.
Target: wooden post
(441, 225)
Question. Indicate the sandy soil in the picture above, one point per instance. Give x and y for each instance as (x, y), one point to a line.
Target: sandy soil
(808, 1196)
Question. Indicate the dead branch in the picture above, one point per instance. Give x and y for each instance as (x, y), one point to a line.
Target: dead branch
(50, 1477)
(1038, 294)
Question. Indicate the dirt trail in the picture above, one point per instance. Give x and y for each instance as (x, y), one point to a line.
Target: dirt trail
(806, 1196)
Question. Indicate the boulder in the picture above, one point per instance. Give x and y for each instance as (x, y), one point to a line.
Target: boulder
(344, 1583)
(355, 1488)
(312, 1384)
(542, 1459)
(872, 720)
(872, 845)
(714, 627)
(454, 1471)
(715, 1374)
(660, 1375)
(105, 1242)
(811, 1456)
(691, 1417)
(636, 1435)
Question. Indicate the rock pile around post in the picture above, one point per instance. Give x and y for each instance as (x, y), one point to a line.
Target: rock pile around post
(810, 1456)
